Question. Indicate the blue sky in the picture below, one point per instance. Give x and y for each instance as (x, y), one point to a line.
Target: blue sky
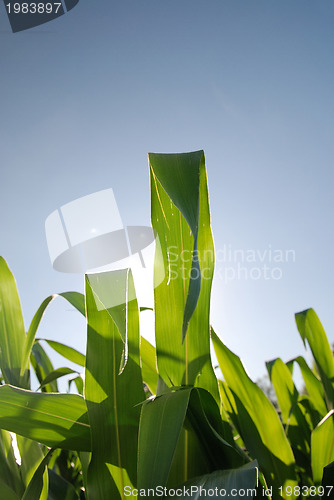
(84, 98)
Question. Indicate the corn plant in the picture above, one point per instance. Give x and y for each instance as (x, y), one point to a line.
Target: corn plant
(157, 419)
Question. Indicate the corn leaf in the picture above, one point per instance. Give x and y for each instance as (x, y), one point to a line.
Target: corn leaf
(59, 488)
(113, 383)
(208, 438)
(322, 446)
(85, 458)
(31, 455)
(66, 351)
(30, 338)
(296, 427)
(12, 332)
(228, 406)
(184, 266)
(56, 374)
(6, 492)
(10, 480)
(312, 331)
(149, 365)
(292, 413)
(258, 422)
(214, 433)
(161, 423)
(313, 386)
(42, 366)
(78, 381)
(74, 298)
(38, 486)
(56, 420)
(327, 480)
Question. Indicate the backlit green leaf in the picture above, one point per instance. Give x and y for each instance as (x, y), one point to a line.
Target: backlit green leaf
(42, 366)
(160, 427)
(6, 492)
(12, 332)
(311, 329)
(39, 482)
(113, 383)
(184, 266)
(258, 422)
(59, 488)
(292, 413)
(66, 351)
(75, 299)
(56, 420)
(313, 386)
(322, 446)
(55, 374)
(162, 420)
(10, 479)
(149, 364)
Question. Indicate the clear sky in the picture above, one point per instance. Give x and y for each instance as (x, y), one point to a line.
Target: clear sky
(85, 97)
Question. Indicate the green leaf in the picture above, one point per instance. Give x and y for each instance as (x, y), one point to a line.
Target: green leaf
(10, 480)
(311, 329)
(78, 381)
(39, 481)
(183, 271)
(59, 488)
(322, 446)
(215, 436)
(56, 420)
(55, 374)
(258, 422)
(228, 412)
(113, 383)
(42, 366)
(292, 413)
(179, 176)
(66, 351)
(161, 423)
(327, 480)
(296, 427)
(12, 332)
(85, 458)
(313, 386)
(6, 492)
(30, 338)
(31, 455)
(223, 483)
(149, 365)
(208, 438)
(74, 298)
